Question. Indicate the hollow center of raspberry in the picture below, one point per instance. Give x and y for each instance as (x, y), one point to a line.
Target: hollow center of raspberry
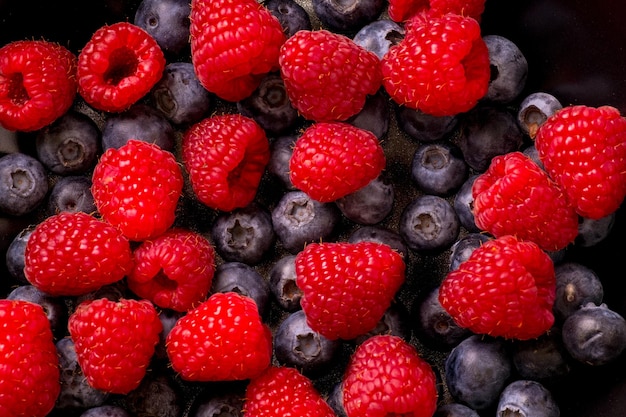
(122, 64)
(163, 281)
(308, 346)
(17, 92)
(235, 175)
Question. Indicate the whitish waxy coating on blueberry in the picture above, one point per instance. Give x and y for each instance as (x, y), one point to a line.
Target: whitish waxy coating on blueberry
(509, 69)
(464, 205)
(462, 249)
(346, 16)
(429, 223)
(424, 127)
(378, 233)
(291, 15)
(542, 359)
(526, 398)
(370, 204)
(439, 168)
(242, 279)
(23, 184)
(15, 255)
(576, 285)
(593, 231)
(379, 35)
(435, 325)
(71, 193)
(374, 116)
(282, 282)
(535, 109)
(395, 321)
(167, 21)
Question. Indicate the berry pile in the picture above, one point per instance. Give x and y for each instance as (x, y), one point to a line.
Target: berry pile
(244, 208)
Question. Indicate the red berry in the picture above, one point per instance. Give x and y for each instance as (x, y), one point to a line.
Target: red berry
(118, 66)
(332, 160)
(37, 84)
(29, 365)
(402, 10)
(115, 341)
(234, 44)
(347, 287)
(584, 150)
(136, 188)
(386, 376)
(73, 253)
(327, 76)
(225, 156)
(174, 270)
(222, 339)
(505, 288)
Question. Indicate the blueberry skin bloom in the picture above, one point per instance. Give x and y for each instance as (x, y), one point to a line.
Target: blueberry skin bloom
(439, 168)
(527, 398)
(167, 21)
(23, 184)
(429, 223)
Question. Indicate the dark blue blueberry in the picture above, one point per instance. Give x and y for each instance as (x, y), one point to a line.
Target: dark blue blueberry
(593, 231)
(156, 395)
(532, 152)
(477, 370)
(141, 122)
(424, 127)
(380, 234)
(429, 224)
(108, 410)
(180, 96)
(225, 400)
(464, 205)
(54, 307)
(463, 248)
(282, 282)
(71, 193)
(374, 116)
(167, 21)
(594, 335)
(299, 346)
(291, 15)
(526, 398)
(395, 321)
(439, 168)
(542, 359)
(70, 145)
(347, 16)
(535, 109)
(509, 69)
(370, 204)
(15, 255)
(244, 235)
(270, 106)
(335, 400)
(113, 292)
(23, 184)
(298, 220)
(576, 285)
(242, 279)
(281, 149)
(168, 320)
(455, 410)
(379, 36)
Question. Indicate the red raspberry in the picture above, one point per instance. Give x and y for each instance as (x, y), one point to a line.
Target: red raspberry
(327, 76)
(505, 288)
(402, 10)
(516, 197)
(387, 377)
(73, 253)
(332, 160)
(118, 66)
(225, 156)
(222, 339)
(29, 365)
(174, 270)
(37, 84)
(365, 277)
(136, 188)
(234, 44)
(441, 67)
(115, 341)
(584, 150)
(282, 391)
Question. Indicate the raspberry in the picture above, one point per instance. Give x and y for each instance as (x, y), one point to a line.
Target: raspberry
(327, 76)
(73, 253)
(584, 150)
(225, 156)
(505, 288)
(37, 84)
(332, 160)
(29, 365)
(516, 197)
(365, 277)
(386, 376)
(402, 10)
(118, 66)
(441, 67)
(136, 188)
(234, 43)
(114, 341)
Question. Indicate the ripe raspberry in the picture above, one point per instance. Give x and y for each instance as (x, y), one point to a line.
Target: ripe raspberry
(365, 277)
(37, 84)
(332, 160)
(505, 288)
(584, 150)
(136, 188)
(441, 67)
(516, 197)
(403, 10)
(222, 339)
(73, 253)
(327, 76)
(115, 341)
(386, 376)
(29, 365)
(281, 391)
(225, 156)
(234, 43)
(174, 270)
(118, 66)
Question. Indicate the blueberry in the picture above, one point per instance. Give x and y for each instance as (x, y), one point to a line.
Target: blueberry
(23, 184)
(282, 282)
(535, 109)
(15, 255)
(380, 234)
(298, 220)
(594, 335)
(542, 359)
(70, 145)
(576, 285)
(593, 231)
(464, 205)
(463, 248)
(167, 21)
(439, 168)
(429, 223)
(455, 410)
(335, 400)
(113, 292)
(54, 307)
(424, 127)
(180, 96)
(157, 395)
(374, 116)
(242, 279)
(379, 36)
(370, 204)
(532, 152)
(291, 15)
(281, 149)
(395, 321)
(299, 346)
(9, 142)
(73, 194)
(227, 400)
(168, 319)
(106, 411)
(347, 16)
(244, 235)
(477, 370)
(509, 69)
(526, 398)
